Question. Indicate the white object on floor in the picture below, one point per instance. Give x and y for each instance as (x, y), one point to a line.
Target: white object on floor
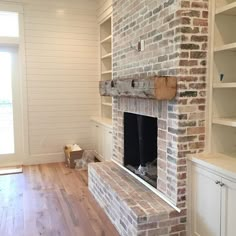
(73, 147)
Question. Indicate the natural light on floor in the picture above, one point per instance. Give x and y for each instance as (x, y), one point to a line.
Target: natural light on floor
(6, 108)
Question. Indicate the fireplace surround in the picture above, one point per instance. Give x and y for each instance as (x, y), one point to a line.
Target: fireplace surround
(176, 40)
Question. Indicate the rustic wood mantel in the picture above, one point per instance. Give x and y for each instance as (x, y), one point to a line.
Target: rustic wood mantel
(157, 87)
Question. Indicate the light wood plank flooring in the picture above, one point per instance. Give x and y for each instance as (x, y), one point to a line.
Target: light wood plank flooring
(50, 200)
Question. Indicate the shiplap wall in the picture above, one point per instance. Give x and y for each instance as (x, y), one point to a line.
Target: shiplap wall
(104, 9)
(62, 73)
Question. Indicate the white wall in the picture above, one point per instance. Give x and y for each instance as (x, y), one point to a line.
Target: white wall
(62, 73)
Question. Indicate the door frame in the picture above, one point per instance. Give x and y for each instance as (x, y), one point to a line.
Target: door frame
(19, 87)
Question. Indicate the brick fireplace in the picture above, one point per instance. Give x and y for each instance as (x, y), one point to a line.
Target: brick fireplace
(176, 40)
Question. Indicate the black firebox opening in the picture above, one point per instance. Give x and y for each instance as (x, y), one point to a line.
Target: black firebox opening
(140, 146)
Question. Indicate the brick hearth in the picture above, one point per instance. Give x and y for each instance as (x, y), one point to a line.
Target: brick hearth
(130, 205)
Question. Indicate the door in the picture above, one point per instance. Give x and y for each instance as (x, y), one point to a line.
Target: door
(11, 130)
(206, 202)
(228, 217)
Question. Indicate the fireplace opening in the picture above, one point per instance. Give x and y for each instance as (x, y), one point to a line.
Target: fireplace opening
(140, 146)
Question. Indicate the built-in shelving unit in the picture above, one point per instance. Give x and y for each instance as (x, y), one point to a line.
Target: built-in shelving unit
(106, 63)
(101, 125)
(222, 107)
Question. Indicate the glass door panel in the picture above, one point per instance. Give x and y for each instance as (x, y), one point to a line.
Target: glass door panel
(6, 106)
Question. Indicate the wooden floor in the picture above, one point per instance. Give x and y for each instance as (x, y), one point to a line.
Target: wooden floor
(50, 200)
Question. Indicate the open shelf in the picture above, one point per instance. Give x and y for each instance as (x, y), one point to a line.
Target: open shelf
(105, 77)
(224, 102)
(227, 47)
(106, 72)
(107, 56)
(223, 137)
(229, 9)
(224, 85)
(105, 29)
(107, 104)
(224, 63)
(225, 121)
(107, 40)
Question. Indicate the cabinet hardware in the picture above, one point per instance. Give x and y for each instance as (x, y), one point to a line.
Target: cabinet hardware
(97, 126)
(222, 184)
(217, 182)
(110, 132)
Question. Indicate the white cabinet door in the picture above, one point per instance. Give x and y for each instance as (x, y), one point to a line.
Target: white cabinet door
(100, 138)
(107, 144)
(102, 141)
(228, 216)
(94, 136)
(206, 203)
(97, 138)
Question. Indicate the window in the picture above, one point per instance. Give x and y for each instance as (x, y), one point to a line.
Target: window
(9, 24)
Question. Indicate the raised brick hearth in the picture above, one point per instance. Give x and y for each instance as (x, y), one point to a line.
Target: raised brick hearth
(130, 205)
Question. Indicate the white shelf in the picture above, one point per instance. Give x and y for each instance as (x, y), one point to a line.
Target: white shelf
(107, 104)
(107, 56)
(106, 72)
(225, 121)
(227, 47)
(103, 120)
(224, 85)
(229, 9)
(224, 163)
(107, 40)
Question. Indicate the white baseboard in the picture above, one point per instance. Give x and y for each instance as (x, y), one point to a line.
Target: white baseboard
(34, 160)
(44, 159)
(11, 163)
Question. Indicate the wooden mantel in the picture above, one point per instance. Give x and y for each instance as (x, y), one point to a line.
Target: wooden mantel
(157, 87)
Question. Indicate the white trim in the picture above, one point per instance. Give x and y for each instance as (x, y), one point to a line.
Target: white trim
(189, 197)
(23, 96)
(17, 44)
(44, 159)
(161, 195)
(11, 7)
(105, 18)
(12, 163)
(9, 41)
(209, 110)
